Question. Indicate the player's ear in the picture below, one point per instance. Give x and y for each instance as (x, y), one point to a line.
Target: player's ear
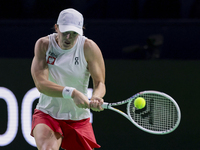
(56, 28)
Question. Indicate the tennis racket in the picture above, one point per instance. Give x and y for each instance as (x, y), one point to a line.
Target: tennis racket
(161, 115)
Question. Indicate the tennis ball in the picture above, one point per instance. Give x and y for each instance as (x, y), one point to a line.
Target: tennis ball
(139, 103)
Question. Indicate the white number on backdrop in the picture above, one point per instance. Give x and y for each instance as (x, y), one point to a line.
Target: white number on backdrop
(26, 115)
(12, 109)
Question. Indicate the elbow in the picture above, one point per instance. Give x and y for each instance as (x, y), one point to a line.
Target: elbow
(40, 87)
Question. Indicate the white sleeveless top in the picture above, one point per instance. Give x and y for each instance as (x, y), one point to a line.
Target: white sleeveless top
(66, 68)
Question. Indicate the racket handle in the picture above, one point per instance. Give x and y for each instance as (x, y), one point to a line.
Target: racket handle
(104, 105)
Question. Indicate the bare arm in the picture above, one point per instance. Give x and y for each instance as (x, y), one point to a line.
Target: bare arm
(96, 68)
(39, 70)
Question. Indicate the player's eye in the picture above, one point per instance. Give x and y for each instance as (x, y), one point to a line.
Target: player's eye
(75, 33)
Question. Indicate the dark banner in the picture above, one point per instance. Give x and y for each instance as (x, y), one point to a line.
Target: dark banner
(124, 78)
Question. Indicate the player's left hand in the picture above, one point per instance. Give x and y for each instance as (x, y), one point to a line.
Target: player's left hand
(95, 103)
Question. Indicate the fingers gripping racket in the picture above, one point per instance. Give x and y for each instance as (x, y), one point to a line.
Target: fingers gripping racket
(161, 115)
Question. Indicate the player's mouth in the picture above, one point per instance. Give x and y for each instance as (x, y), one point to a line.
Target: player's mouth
(67, 43)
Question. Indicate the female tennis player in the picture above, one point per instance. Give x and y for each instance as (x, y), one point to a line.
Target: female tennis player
(61, 68)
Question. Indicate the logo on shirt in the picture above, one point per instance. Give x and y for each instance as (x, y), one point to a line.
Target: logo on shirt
(52, 58)
(76, 61)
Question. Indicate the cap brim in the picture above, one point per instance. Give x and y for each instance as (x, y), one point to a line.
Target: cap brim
(65, 28)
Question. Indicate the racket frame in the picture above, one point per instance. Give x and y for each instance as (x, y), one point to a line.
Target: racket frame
(128, 115)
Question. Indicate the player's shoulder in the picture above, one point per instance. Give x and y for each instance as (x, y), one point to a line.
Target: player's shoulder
(90, 46)
(89, 43)
(91, 49)
(43, 40)
(43, 43)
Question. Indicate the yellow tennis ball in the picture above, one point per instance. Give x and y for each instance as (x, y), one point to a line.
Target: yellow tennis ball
(139, 103)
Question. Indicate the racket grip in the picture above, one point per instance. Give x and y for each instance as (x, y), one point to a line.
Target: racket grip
(104, 105)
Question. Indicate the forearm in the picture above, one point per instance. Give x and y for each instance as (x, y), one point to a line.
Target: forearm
(45, 86)
(97, 97)
(49, 88)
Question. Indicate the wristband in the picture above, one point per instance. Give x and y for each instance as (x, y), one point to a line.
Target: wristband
(67, 92)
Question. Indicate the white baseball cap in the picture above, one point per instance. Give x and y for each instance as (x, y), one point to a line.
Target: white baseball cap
(70, 20)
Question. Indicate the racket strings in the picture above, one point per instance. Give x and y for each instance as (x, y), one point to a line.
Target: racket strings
(159, 114)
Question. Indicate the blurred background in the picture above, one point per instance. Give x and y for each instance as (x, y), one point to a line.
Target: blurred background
(146, 44)
(132, 29)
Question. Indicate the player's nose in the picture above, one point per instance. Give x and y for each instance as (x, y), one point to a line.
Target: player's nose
(68, 36)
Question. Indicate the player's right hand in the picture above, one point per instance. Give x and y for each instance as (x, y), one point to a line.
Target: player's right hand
(80, 99)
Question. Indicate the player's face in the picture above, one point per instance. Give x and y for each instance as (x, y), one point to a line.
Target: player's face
(67, 40)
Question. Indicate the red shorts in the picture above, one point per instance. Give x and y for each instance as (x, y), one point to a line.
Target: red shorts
(77, 135)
